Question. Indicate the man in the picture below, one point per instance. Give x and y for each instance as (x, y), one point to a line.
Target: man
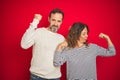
(44, 42)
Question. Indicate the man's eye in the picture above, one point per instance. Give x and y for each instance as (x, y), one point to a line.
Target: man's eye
(59, 21)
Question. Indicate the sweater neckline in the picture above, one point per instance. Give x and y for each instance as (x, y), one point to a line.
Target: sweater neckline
(49, 31)
(78, 48)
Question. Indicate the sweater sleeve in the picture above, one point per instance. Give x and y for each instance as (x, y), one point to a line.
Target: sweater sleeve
(110, 51)
(59, 58)
(28, 37)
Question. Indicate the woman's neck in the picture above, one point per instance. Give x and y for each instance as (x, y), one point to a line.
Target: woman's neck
(79, 44)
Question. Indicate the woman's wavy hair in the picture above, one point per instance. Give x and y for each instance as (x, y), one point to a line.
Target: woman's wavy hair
(74, 33)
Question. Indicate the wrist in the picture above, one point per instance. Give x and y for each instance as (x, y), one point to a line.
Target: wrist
(35, 21)
(107, 38)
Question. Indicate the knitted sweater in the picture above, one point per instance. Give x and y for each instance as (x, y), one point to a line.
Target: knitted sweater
(81, 62)
(44, 43)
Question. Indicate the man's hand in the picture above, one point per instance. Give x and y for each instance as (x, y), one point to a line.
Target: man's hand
(36, 20)
(38, 16)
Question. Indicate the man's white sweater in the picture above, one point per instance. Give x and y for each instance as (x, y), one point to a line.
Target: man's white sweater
(44, 43)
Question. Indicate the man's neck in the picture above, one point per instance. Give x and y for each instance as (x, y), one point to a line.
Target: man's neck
(48, 28)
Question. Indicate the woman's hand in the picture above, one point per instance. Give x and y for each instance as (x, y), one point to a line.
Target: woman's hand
(62, 45)
(102, 35)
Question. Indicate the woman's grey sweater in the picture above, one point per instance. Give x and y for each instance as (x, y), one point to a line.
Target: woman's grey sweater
(81, 62)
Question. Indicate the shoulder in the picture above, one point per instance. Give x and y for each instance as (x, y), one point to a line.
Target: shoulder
(41, 29)
(93, 45)
(60, 36)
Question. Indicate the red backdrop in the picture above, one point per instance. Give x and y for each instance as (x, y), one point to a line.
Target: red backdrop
(15, 16)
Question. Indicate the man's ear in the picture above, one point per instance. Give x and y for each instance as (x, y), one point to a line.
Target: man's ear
(48, 19)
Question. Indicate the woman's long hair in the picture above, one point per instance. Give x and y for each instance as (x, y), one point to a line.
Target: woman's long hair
(74, 34)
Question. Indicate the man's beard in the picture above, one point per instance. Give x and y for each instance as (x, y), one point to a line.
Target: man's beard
(54, 28)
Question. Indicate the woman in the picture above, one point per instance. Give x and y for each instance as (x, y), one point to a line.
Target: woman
(79, 55)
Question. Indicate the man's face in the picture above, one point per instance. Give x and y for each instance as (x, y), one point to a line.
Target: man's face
(55, 21)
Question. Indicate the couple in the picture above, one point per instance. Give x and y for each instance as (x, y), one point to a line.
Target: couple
(51, 50)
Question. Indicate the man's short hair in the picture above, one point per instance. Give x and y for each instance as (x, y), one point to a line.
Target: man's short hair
(57, 11)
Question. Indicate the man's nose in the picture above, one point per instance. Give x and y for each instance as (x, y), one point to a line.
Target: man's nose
(55, 23)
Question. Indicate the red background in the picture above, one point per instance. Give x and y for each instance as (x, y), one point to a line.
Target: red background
(15, 16)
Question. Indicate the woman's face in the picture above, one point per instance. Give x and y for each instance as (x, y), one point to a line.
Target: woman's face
(84, 35)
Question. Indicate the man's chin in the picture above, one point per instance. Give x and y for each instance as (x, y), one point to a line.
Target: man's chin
(54, 30)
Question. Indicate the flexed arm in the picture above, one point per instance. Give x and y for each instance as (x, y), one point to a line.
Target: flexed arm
(28, 37)
(102, 35)
(110, 51)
